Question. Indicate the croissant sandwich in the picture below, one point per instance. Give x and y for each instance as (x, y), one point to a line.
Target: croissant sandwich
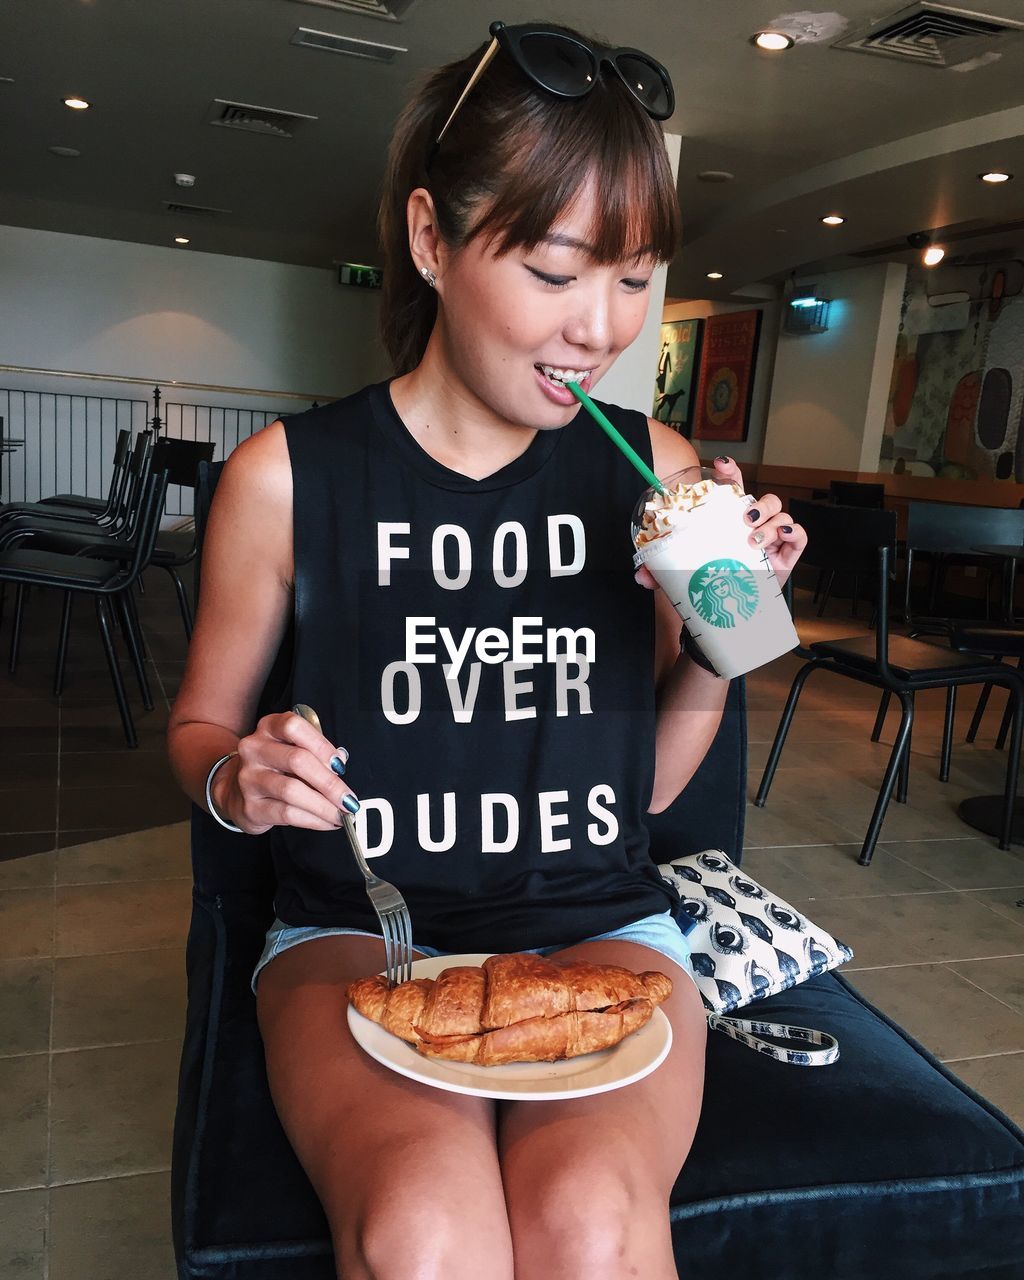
(514, 1008)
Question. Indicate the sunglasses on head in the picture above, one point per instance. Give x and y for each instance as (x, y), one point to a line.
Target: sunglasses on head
(563, 65)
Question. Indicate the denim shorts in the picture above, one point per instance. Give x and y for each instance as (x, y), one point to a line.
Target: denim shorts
(659, 932)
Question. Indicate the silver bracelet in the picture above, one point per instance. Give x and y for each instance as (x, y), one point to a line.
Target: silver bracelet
(230, 826)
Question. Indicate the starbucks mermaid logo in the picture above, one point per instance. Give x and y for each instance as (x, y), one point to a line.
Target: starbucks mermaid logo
(724, 592)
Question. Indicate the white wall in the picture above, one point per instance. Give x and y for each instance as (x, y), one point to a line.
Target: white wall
(829, 390)
(748, 450)
(630, 381)
(156, 314)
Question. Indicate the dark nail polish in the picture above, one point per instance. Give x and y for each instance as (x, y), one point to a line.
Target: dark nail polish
(338, 766)
(351, 804)
(785, 528)
(722, 458)
(754, 516)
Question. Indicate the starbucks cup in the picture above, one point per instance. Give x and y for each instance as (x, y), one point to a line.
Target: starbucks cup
(693, 539)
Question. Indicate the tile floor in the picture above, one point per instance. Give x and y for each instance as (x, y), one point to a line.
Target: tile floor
(93, 921)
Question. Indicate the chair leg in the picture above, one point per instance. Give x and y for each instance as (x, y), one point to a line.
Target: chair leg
(904, 775)
(781, 732)
(19, 604)
(947, 733)
(883, 709)
(828, 592)
(1016, 702)
(115, 672)
(856, 593)
(183, 604)
(133, 616)
(1004, 725)
(817, 585)
(979, 711)
(900, 746)
(62, 647)
(134, 649)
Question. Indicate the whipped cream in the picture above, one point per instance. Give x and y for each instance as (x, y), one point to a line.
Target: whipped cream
(662, 510)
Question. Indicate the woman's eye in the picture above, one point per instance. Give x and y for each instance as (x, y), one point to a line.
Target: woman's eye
(555, 282)
(636, 286)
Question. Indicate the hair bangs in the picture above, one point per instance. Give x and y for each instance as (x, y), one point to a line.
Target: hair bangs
(600, 141)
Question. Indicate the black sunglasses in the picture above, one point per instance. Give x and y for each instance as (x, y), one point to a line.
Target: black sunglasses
(565, 66)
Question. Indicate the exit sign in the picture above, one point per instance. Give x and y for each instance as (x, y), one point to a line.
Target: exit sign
(359, 276)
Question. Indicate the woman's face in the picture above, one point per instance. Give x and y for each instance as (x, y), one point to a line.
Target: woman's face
(505, 320)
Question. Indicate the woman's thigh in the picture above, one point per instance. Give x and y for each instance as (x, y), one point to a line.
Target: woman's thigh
(408, 1175)
(587, 1181)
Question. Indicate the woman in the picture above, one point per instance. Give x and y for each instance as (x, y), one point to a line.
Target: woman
(451, 549)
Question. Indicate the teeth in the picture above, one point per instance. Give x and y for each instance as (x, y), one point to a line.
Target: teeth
(564, 375)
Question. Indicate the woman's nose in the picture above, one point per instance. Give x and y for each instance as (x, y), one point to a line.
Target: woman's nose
(590, 325)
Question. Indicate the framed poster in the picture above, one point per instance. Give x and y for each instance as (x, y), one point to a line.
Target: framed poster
(722, 403)
(677, 364)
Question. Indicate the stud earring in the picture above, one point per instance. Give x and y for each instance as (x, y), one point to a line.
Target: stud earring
(429, 276)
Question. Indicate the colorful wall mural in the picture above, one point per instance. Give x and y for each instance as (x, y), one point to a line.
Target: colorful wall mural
(956, 400)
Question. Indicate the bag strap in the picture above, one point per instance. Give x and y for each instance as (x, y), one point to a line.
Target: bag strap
(738, 1029)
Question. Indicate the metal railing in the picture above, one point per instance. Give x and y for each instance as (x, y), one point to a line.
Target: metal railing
(68, 439)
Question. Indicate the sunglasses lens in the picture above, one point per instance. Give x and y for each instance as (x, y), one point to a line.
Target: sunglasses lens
(562, 66)
(647, 83)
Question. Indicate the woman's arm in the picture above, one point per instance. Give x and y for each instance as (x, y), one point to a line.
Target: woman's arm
(690, 699)
(282, 772)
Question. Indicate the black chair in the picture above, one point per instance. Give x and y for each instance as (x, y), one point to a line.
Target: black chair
(852, 493)
(99, 507)
(947, 534)
(830, 548)
(182, 459)
(109, 582)
(897, 664)
(19, 518)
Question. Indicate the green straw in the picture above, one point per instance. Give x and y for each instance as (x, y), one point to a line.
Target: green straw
(624, 445)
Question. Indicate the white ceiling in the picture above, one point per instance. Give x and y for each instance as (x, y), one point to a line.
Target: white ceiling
(893, 146)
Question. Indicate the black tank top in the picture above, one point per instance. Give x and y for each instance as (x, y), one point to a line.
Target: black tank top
(482, 650)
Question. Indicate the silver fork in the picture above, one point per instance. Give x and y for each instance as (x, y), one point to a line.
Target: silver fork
(385, 899)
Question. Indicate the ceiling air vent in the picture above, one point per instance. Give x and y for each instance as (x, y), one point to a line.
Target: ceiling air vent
(389, 10)
(193, 210)
(933, 35)
(309, 39)
(243, 115)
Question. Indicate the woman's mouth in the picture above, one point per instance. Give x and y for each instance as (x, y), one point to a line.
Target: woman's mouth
(554, 379)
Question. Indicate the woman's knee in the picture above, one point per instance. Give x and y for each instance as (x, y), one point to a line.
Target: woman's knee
(584, 1221)
(402, 1230)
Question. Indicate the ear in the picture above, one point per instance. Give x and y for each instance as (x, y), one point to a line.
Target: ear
(425, 244)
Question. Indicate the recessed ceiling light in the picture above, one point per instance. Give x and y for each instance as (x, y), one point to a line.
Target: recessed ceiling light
(995, 176)
(833, 219)
(181, 240)
(714, 275)
(715, 175)
(76, 104)
(933, 255)
(65, 151)
(773, 41)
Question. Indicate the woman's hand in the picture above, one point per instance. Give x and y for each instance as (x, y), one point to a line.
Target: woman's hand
(283, 776)
(782, 541)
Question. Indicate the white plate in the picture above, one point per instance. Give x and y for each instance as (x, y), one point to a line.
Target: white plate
(625, 1063)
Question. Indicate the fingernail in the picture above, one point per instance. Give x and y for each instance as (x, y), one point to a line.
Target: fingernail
(785, 528)
(758, 538)
(351, 804)
(722, 458)
(338, 765)
(754, 515)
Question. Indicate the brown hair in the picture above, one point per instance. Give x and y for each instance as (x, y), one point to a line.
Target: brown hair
(513, 161)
